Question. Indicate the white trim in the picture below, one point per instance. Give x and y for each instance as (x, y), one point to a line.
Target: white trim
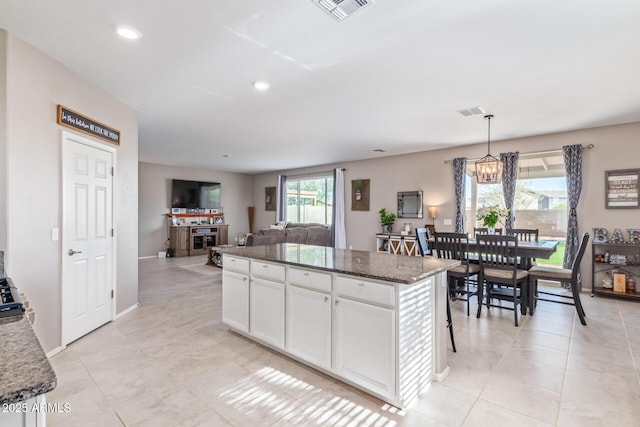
(53, 352)
(94, 143)
(127, 311)
(148, 257)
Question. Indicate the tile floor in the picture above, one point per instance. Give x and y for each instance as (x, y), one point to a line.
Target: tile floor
(171, 362)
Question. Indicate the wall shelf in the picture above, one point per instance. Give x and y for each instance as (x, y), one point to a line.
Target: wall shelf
(599, 268)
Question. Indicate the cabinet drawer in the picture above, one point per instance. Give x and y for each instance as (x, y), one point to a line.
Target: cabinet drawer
(267, 270)
(365, 290)
(310, 279)
(232, 263)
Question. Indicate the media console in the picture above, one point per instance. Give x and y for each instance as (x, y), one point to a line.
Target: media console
(188, 240)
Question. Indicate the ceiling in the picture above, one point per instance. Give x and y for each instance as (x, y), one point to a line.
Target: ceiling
(392, 76)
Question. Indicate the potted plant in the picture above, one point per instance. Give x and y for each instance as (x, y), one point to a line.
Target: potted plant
(387, 220)
(491, 215)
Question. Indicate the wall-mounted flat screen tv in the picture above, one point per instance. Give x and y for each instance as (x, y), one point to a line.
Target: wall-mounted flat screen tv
(195, 194)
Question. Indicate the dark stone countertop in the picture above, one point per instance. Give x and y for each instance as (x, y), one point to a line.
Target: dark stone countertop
(25, 371)
(399, 269)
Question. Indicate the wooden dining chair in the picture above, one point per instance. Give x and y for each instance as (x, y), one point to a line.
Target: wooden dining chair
(564, 275)
(422, 236)
(525, 235)
(485, 230)
(456, 246)
(496, 254)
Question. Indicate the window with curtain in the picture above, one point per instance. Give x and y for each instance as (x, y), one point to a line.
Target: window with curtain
(540, 200)
(310, 199)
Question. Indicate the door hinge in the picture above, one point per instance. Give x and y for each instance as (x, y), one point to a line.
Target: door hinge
(112, 233)
(113, 171)
(112, 293)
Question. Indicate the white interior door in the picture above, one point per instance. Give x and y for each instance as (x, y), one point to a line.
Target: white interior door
(87, 240)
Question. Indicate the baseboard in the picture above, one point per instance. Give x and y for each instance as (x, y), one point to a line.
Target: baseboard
(148, 257)
(440, 376)
(127, 311)
(54, 352)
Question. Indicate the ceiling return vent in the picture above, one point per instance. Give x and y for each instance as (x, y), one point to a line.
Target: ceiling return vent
(341, 9)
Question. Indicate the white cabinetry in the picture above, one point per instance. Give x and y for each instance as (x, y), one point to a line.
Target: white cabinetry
(309, 316)
(365, 333)
(267, 302)
(267, 311)
(386, 338)
(235, 300)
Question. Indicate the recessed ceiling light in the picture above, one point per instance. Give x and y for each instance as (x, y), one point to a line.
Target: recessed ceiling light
(261, 85)
(128, 32)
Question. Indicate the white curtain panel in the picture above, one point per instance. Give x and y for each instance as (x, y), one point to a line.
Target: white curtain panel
(339, 229)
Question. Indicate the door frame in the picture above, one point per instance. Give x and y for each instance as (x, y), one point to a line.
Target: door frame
(66, 139)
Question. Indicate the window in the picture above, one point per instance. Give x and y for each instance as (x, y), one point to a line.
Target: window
(310, 199)
(540, 201)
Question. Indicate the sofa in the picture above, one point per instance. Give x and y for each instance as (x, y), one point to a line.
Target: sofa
(309, 234)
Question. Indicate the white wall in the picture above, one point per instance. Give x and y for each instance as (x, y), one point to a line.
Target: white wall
(36, 84)
(616, 147)
(155, 201)
(3, 140)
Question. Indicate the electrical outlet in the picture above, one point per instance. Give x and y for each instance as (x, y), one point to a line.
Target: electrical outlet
(447, 222)
(55, 234)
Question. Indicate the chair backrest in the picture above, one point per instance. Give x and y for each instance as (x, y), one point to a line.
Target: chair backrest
(485, 230)
(497, 251)
(422, 234)
(575, 267)
(524, 234)
(451, 245)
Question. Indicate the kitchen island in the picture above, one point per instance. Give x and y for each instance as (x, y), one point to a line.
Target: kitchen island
(375, 321)
(26, 374)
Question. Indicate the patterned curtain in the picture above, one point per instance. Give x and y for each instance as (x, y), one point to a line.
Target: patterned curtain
(573, 166)
(459, 173)
(509, 178)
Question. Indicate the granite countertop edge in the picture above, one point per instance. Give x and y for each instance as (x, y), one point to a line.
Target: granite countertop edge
(436, 265)
(26, 372)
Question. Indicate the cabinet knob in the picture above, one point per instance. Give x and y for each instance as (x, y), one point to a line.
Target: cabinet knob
(244, 279)
(337, 301)
(326, 299)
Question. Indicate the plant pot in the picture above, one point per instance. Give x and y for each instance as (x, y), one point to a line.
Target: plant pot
(387, 228)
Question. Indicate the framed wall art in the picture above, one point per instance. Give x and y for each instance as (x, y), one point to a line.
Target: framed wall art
(621, 189)
(270, 198)
(360, 190)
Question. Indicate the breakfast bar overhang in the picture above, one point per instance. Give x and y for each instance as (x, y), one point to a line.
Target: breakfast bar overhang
(375, 321)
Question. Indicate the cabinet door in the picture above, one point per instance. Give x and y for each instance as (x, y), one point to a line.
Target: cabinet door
(183, 240)
(235, 300)
(365, 347)
(267, 311)
(309, 325)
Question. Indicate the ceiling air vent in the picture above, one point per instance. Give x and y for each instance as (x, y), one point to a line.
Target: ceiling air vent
(472, 111)
(340, 9)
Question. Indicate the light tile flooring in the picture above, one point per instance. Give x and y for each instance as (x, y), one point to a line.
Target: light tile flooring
(171, 362)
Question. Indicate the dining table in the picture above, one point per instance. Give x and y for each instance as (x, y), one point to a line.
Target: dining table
(527, 253)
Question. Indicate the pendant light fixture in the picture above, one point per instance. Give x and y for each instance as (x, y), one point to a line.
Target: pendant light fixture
(488, 168)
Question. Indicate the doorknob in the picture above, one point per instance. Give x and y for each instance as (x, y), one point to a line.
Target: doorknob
(71, 252)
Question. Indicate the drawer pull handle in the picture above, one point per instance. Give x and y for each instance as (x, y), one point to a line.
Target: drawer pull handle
(306, 274)
(265, 266)
(360, 284)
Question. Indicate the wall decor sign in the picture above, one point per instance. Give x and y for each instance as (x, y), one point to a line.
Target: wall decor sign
(269, 198)
(360, 191)
(84, 124)
(621, 189)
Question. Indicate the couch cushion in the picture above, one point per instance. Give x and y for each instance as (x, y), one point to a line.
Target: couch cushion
(296, 235)
(319, 235)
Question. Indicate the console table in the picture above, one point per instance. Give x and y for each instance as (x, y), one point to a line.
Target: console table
(396, 243)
